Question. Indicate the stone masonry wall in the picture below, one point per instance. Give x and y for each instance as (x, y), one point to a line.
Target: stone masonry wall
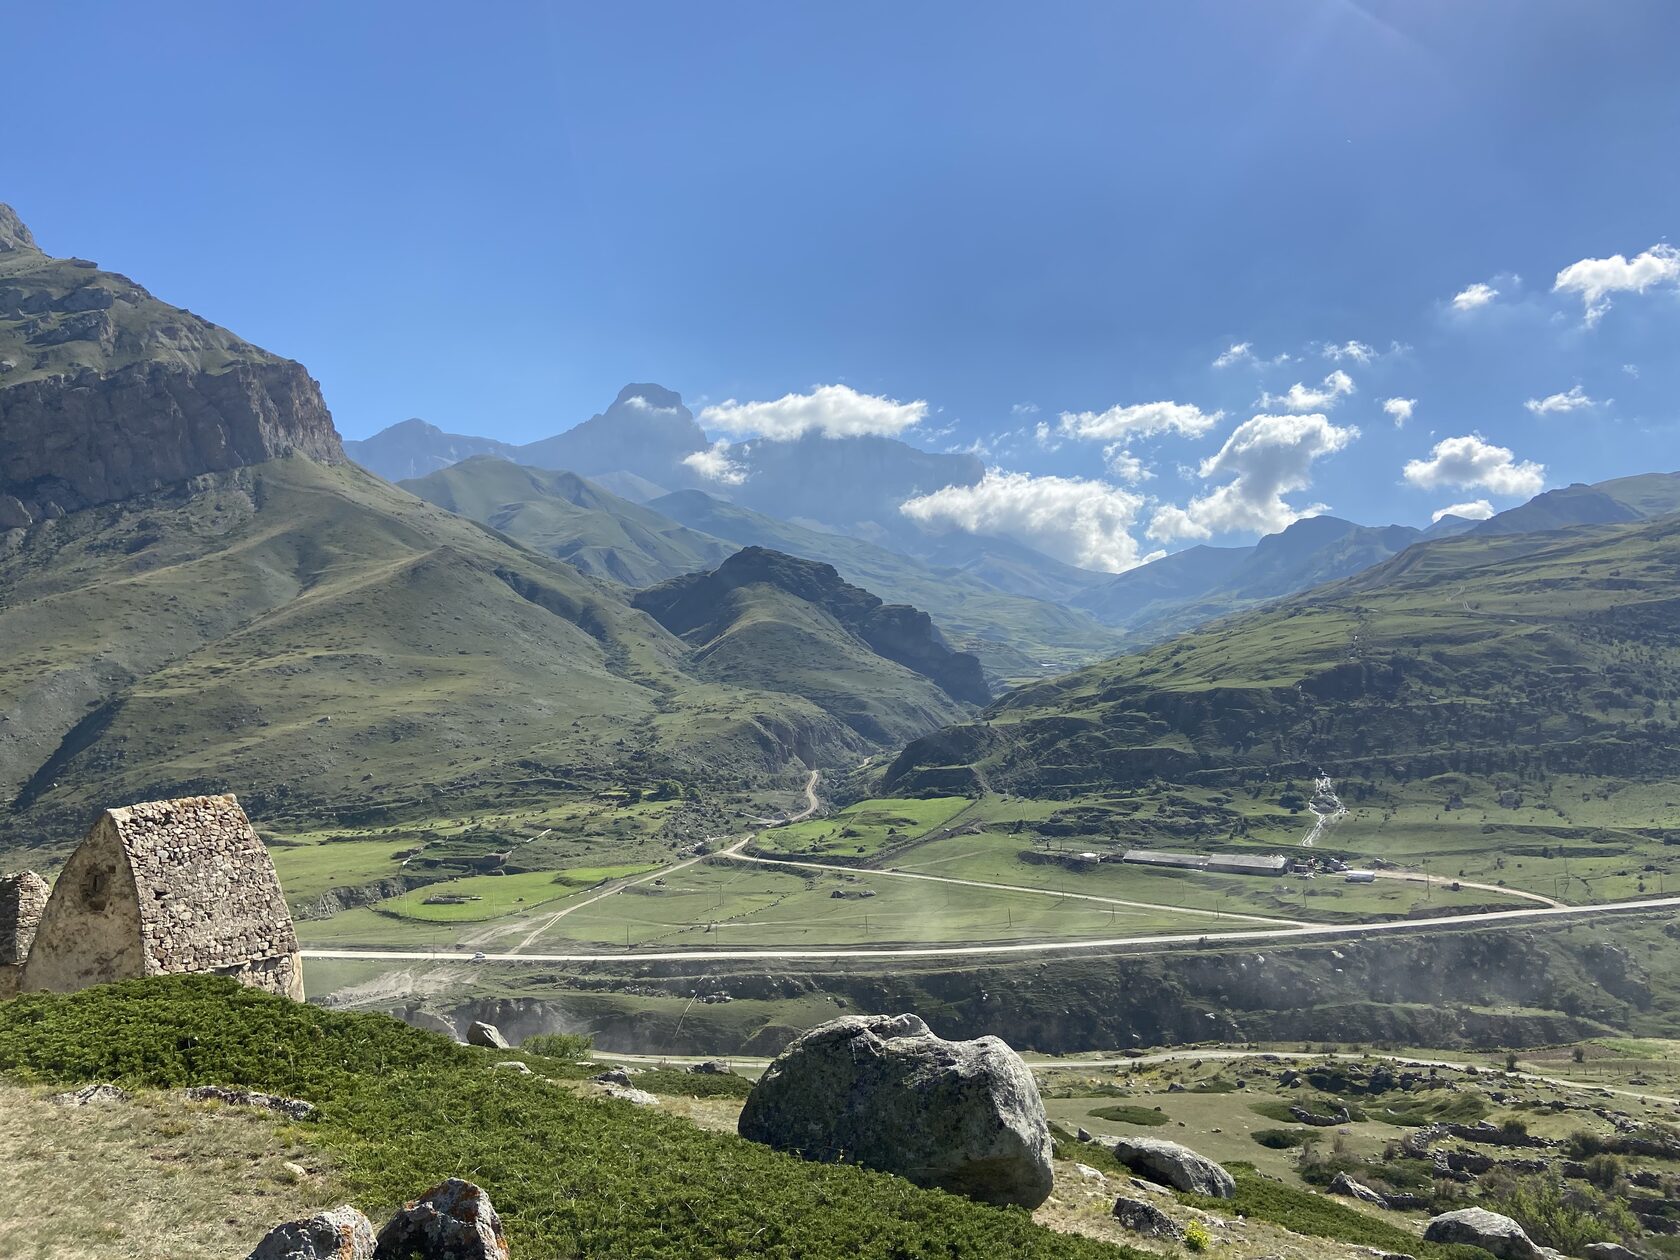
(22, 898)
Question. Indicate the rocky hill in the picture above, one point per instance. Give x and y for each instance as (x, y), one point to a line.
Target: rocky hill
(106, 392)
(767, 620)
(1478, 654)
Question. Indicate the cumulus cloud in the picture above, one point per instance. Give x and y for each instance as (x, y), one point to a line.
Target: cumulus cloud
(1358, 351)
(1139, 420)
(1475, 510)
(1081, 521)
(714, 464)
(637, 403)
(1595, 279)
(1237, 352)
(1265, 458)
(1478, 294)
(1399, 410)
(835, 411)
(1471, 462)
(1575, 399)
(1299, 397)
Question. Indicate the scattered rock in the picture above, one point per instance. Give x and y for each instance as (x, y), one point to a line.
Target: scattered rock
(291, 1108)
(341, 1234)
(883, 1091)
(487, 1035)
(1343, 1184)
(613, 1076)
(93, 1096)
(1083, 1135)
(625, 1093)
(1089, 1173)
(1481, 1228)
(452, 1221)
(712, 1067)
(513, 1065)
(297, 1172)
(1146, 1219)
(1176, 1166)
(1608, 1251)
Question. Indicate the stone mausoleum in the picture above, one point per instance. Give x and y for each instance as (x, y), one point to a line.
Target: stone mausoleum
(163, 888)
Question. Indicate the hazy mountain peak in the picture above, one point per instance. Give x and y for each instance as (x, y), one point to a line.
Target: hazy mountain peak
(14, 233)
(650, 397)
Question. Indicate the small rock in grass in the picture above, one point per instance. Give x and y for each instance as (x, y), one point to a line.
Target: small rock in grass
(625, 1093)
(513, 1065)
(1145, 1218)
(341, 1234)
(93, 1096)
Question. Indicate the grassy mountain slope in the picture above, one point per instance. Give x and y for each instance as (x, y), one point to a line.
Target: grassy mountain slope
(570, 1175)
(1478, 655)
(1011, 634)
(563, 515)
(772, 621)
(327, 644)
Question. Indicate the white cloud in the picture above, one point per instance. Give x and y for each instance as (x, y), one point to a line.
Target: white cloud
(835, 411)
(1081, 521)
(1266, 457)
(1399, 409)
(1358, 351)
(1139, 420)
(714, 464)
(1478, 294)
(1124, 465)
(1299, 397)
(637, 403)
(1236, 352)
(1024, 409)
(1574, 400)
(1470, 461)
(1045, 436)
(1632, 369)
(1595, 279)
(1475, 510)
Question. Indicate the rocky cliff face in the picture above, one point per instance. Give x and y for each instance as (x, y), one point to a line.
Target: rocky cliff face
(106, 392)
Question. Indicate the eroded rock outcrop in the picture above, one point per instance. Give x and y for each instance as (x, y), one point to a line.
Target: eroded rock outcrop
(883, 1091)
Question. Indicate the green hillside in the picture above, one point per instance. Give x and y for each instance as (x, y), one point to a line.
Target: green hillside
(1015, 636)
(563, 515)
(332, 647)
(1472, 697)
(769, 621)
(400, 1109)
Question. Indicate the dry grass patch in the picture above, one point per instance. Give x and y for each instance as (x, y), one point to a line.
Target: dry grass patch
(157, 1178)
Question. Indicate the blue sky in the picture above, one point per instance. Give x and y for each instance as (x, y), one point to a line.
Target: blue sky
(494, 218)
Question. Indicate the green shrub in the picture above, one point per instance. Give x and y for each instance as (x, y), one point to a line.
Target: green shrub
(400, 1109)
(1129, 1114)
(1196, 1236)
(1283, 1139)
(560, 1045)
(1566, 1216)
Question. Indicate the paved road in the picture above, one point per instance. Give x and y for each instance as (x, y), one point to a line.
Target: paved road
(1538, 915)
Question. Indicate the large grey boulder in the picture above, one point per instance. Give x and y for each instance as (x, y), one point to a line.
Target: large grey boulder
(1481, 1228)
(487, 1035)
(883, 1091)
(340, 1234)
(454, 1220)
(1170, 1164)
(1145, 1218)
(1608, 1251)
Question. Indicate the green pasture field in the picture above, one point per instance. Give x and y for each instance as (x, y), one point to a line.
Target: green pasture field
(864, 828)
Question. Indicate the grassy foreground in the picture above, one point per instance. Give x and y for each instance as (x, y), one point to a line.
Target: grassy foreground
(401, 1109)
